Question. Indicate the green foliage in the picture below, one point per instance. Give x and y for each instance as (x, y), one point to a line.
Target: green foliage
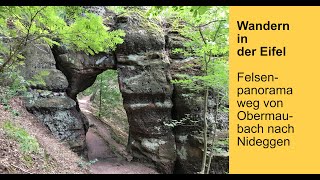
(13, 84)
(205, 30)
(94, 39)
(117, 9)
(216, 79)
(70, 26)
(220, 145)
(73, 27)
(15, 112)
(110, 94)
(194, 10)
(140, 15)
(107, 100)
(38, 79)
(27, 143)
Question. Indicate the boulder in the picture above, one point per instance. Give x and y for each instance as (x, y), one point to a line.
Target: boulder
(59, 114)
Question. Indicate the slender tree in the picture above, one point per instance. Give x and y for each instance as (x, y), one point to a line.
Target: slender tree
(206, 31)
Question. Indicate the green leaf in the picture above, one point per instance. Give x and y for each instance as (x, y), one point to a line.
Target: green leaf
(51, 42)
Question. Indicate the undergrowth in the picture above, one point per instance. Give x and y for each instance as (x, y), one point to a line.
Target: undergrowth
(27, 143)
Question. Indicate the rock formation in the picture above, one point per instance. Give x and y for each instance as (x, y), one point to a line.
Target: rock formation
(47, 99)
(146, 65)
(81, 69)
(144, 79)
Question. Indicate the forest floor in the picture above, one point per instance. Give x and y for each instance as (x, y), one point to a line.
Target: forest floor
(52, 156)
(106, 154)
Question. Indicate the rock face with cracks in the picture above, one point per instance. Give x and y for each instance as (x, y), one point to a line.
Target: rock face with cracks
(46, 97)
(144, 80)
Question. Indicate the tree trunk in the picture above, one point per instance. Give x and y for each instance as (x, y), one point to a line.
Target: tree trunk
(215, 121)
(94, 94)
(100, 100)
(205, 130)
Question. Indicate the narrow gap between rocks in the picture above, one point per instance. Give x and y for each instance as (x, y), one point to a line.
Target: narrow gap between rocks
(107, 136)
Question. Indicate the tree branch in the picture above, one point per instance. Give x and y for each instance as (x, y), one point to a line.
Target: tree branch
(31, 21)
(24, 42)
(203, 25)
(202, 37)
(17, 18)
(215, 35)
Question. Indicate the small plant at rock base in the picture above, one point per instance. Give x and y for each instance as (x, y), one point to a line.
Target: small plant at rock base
(15, 113)
(27, 143)
(84, 164)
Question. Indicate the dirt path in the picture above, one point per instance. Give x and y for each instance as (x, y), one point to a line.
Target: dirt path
(54, 157)
(111, 157)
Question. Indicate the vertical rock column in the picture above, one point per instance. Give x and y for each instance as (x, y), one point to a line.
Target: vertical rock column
(144, 81)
